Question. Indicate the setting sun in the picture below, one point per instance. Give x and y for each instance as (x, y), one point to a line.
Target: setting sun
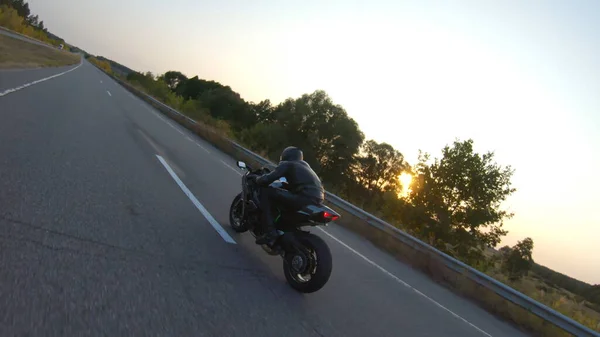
(405, 179)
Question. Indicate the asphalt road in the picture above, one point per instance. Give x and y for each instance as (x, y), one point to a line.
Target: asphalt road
(97, 238)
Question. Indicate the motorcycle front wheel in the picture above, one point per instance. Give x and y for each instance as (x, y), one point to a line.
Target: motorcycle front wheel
(308, 274)
(236, 220)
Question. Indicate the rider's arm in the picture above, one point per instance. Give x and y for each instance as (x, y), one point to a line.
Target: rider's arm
(279, 172)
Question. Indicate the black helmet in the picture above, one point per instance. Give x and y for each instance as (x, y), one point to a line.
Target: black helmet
(291, 153)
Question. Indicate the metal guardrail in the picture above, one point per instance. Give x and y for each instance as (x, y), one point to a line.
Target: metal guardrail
(26, 38)
(508, 293)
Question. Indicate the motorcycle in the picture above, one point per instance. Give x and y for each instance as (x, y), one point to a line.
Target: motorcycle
(307, 260)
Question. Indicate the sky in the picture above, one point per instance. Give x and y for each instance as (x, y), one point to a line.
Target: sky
(521, 78)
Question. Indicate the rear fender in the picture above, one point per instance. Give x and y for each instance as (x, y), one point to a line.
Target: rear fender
(320, 213)
(290, 243)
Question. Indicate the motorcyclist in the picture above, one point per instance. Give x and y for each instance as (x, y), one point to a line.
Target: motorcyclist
(304, 188)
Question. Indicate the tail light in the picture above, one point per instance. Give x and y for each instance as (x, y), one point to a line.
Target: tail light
(329, 216)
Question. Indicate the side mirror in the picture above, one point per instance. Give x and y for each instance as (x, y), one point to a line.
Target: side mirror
(241, 164)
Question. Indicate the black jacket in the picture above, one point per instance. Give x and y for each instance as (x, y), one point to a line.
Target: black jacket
(301, 178)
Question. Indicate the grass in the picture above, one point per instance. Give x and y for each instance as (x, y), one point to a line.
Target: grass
(558, 299)
(15, 53)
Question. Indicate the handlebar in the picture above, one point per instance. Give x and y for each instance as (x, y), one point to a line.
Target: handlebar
(260, 171)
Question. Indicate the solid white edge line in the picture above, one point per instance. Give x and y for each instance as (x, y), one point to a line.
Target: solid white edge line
(169, 124)
(197, 203)
(8, 91)
(231, 168)
(166, 121)
(397, 279)
(176, 128)
(154, 113)
(202, 147)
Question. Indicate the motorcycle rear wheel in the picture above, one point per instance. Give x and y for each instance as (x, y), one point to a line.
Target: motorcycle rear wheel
(308, 276)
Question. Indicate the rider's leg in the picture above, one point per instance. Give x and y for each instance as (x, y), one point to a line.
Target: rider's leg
(266, 207)
(271, 197)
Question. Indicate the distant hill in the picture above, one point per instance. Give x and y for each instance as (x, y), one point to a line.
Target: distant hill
(55, 37)
(559, 280)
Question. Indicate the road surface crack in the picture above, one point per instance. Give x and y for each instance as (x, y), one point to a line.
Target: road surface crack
(188, 264)
(43, 245)
(318, 332)
(78, 238)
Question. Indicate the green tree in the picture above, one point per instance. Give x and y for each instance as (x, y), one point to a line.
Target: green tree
(194, 87)
(459, 200)
(226, 104)
(174, 79)
(393, 209)
(518, 260)
(10, 19)
(270, 138)
(20, 6)
(379, 166)
(263, 111)
(328, 136)
(33, 20)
